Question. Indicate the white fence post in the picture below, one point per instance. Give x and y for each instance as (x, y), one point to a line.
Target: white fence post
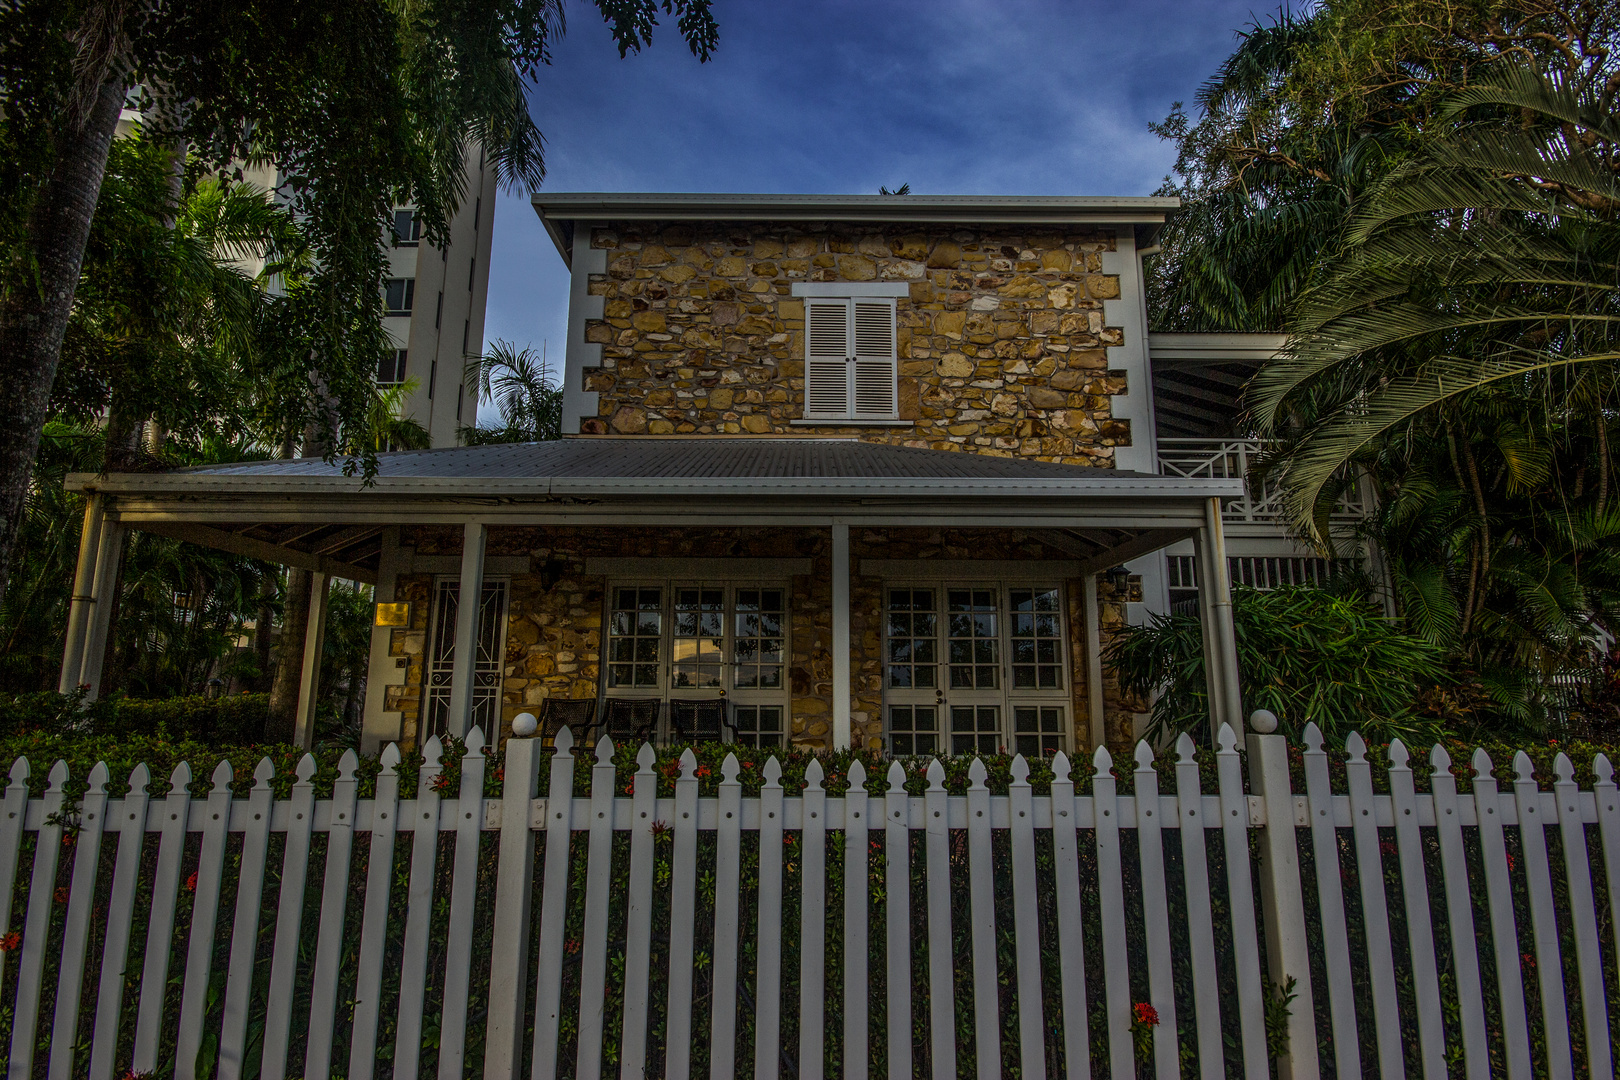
(1282, 902)
(514, 895)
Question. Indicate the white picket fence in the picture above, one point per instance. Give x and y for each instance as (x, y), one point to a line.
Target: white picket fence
(1097, 859)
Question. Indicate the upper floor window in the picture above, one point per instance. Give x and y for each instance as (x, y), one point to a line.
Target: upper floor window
(851, 366)
(407, 230)
(391, 368)
(399, 296)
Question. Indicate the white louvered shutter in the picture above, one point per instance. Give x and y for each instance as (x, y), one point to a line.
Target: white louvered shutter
(826, 359)
(875, 362)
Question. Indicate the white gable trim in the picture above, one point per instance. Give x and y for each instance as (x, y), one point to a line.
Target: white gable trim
(851, 288)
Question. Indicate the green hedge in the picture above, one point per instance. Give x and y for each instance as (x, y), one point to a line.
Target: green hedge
(227, 721)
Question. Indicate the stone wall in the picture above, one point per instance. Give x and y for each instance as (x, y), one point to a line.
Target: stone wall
(1002, 344)
(554, 628)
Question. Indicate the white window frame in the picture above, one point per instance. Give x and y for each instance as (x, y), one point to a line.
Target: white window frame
(871, 371)
(728, 690)
(941, 697)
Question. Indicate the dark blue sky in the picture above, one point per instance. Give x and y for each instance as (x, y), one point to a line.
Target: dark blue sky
(1011, 97)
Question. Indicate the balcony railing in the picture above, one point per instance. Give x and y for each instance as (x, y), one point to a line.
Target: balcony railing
(1230, 459)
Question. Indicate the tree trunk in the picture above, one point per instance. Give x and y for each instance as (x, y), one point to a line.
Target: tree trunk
(261, 640)
(36, 304)
(290, 653)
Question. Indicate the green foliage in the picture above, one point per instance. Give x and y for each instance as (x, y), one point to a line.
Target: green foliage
(521, 386)
(199, 721)
(1308, 655)
(1423, 194)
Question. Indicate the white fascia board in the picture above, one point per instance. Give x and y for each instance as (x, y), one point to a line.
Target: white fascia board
(1214, 348)
(898, 289)
(876, 488)
(952, 209)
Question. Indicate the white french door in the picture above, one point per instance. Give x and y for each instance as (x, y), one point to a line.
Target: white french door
(974, 668)
(703, 640)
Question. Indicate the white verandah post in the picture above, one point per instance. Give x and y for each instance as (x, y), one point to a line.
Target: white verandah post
(1094, 669)
(82, 599)
(469, 600)
(109, 553)
(840, 638)
(1215, 612)
(309, 679)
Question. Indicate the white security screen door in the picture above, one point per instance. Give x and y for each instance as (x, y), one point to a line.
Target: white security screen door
(486, 712)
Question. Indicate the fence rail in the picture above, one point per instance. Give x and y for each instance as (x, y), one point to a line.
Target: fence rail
(868, 931)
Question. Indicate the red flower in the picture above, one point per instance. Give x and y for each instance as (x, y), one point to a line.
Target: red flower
(191, 882)
(659, 828)
(62, 895)
(11, 942)
(571, 946)
(1146, 1014)
(702, 771)
(440, 783)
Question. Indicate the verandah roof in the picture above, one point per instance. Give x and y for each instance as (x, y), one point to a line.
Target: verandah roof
(306, 512)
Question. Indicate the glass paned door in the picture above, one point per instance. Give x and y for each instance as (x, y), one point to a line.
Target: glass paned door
(486, 711)
(702, 645)
(974, 668)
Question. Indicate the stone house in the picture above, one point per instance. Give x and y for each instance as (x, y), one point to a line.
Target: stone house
(868, 470)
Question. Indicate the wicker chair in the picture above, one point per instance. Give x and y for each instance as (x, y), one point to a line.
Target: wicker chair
(699, 720)
(577, 714)
(632, 719)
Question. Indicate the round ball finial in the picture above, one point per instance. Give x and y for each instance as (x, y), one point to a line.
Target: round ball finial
(1263, 721)
(524, 724)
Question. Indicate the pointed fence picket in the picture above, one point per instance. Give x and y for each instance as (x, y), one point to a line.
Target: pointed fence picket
(626, 975)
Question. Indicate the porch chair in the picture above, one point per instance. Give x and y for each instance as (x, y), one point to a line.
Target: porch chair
(699, 720)
(633, 719)
(576, 714)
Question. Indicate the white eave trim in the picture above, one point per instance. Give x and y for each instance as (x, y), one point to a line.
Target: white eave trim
(457, 488)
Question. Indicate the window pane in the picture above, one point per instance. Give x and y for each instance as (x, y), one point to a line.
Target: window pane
(974, 648)
(975, 729)
(913, 729)
(757, 638)
(634, 628)
(758, 725)
(911, 628)
(1038, 729)
(1036, 639)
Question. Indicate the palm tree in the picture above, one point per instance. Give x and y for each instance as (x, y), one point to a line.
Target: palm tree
(519, 382)
(1490, 261)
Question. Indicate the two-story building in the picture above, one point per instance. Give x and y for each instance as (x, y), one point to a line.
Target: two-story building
(848, 469)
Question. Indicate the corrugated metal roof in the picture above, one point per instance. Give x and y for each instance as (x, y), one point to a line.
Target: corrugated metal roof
(706, 458)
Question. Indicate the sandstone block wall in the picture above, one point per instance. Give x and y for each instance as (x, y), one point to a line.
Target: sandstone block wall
(1001, 337)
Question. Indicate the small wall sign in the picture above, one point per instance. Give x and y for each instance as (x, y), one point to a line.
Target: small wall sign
(394, 614)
